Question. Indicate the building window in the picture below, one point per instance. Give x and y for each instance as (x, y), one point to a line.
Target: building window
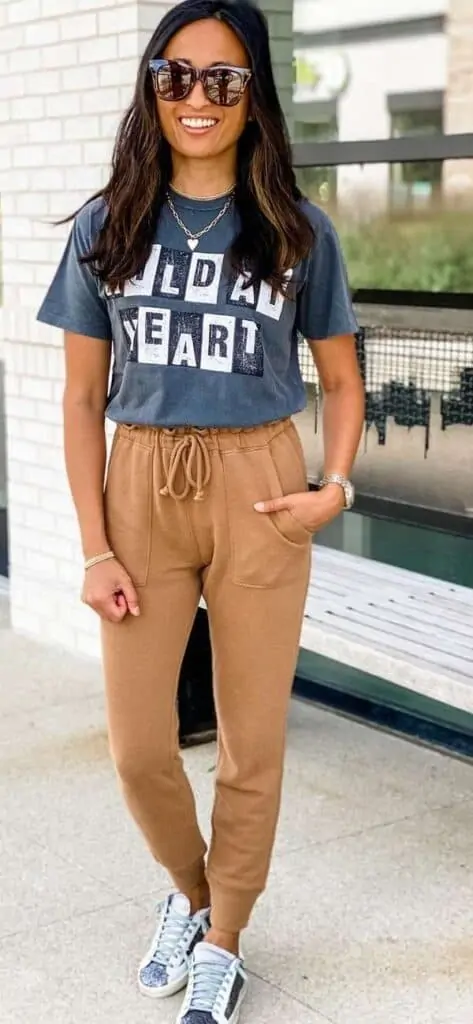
(318, 183)
(416, 185)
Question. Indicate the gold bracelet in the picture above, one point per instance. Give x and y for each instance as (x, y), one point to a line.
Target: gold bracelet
(106, 557)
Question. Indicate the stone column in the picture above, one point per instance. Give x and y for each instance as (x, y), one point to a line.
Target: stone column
(458, 174)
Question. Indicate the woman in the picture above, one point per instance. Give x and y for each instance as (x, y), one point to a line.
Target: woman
(198, 265)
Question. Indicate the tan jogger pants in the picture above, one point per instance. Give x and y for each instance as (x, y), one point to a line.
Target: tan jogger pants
(180, 517)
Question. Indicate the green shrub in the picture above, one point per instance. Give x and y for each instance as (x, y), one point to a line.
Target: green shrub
(433, 253)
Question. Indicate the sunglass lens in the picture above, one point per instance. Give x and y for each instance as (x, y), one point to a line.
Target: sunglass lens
(224, 86)
(174, 81)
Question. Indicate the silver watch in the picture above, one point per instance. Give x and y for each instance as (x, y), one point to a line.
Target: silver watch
(346, 485)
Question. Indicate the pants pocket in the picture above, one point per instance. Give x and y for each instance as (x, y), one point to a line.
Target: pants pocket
(128, 506)
(268, 549)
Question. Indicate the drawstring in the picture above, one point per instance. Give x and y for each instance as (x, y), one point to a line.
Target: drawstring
(190, 452)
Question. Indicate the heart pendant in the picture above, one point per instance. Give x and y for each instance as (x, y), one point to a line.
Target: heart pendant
(192, 243)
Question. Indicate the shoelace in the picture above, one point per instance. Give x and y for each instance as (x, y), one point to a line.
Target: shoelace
(190, 452)
(169, 934)
(207, 981)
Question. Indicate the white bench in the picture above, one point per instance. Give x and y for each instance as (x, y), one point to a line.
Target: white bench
(409, 629)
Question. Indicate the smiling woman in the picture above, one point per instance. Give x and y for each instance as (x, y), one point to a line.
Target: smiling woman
(191, 275)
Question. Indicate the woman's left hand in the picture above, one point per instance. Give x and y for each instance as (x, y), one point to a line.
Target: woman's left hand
(313, 509)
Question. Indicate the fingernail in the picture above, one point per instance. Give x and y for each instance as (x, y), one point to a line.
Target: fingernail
(135, 611)
(259, 507)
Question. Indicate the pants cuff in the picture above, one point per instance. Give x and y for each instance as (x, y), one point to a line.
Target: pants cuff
(231, 910)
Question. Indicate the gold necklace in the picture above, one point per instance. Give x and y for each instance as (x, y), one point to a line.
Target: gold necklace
(204, 199)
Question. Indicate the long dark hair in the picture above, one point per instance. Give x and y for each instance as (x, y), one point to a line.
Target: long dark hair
(275, 234)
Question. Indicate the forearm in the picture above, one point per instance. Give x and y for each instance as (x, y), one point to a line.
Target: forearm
(85, 452)
(343, 419)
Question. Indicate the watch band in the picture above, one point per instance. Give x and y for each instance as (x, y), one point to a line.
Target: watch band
(345, 484)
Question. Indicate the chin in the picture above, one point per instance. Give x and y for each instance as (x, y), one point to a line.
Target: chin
(200, 151)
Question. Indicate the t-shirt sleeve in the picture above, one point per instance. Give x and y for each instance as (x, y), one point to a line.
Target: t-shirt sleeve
(325, 307)
(74, 301)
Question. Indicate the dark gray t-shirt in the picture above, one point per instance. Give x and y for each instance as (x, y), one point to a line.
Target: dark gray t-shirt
(191, 345)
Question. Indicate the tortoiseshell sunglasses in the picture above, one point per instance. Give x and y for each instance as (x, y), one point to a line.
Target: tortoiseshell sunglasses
(223, 84)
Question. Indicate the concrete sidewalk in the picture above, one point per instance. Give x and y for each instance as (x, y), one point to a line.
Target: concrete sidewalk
(369, 915)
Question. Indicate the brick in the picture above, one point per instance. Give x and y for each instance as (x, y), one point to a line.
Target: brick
(109, 100)
(53, 8)
(56, 502)
(14, 134)
(61, 205)
(12, 86)
(93, 51)
(11, 39)
(65, 155)
(109, 125)
(16, 273)
(23, 451)
(50, 413)
(6, 159)
(85, 177)
(41, 33)
(128, 44)
(41, 565)
(78, 26)
(97, 152)
(62, 55)
(23, 10)
(30, 297)
(40, 519)
(29, 156)
(27, 108)
(65, 105)
(36, 388)
(119, 72)
(124, 19)
(43, 478)
(21, 408)
(53, 545)
(85, 126)
(49, 178)
(9, 250)
(28, 60)
(43, 83)
(22, 494)
(46, 130)
(79, 78)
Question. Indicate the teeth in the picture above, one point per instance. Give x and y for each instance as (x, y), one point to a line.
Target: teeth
(198, 122)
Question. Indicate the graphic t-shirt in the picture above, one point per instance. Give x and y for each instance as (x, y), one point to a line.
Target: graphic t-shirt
(192, 346)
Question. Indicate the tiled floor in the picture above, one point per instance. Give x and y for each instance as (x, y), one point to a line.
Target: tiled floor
(369, 915)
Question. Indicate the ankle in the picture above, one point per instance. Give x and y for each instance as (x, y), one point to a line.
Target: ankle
(229, 941)
(199, 897)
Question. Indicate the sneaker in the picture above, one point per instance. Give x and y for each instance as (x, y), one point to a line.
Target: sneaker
(216, 987)
(165, 968)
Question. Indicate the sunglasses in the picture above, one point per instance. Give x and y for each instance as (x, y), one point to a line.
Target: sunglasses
(223, 84)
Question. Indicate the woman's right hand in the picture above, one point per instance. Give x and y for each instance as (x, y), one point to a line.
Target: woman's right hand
(109, 591)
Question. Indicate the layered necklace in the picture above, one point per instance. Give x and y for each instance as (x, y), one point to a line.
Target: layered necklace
(193, 237)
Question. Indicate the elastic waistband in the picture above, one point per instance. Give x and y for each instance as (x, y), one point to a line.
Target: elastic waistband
(214, 438)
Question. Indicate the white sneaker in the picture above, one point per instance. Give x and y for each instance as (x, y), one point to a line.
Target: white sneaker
(216, 987)
(164, 969)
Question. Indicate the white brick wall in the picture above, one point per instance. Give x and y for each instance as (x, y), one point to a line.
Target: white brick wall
(67, 68)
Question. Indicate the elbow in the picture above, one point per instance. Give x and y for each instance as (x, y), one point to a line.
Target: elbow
(350, 384)
(76, 402)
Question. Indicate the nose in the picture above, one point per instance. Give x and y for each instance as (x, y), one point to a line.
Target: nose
(197, 97)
